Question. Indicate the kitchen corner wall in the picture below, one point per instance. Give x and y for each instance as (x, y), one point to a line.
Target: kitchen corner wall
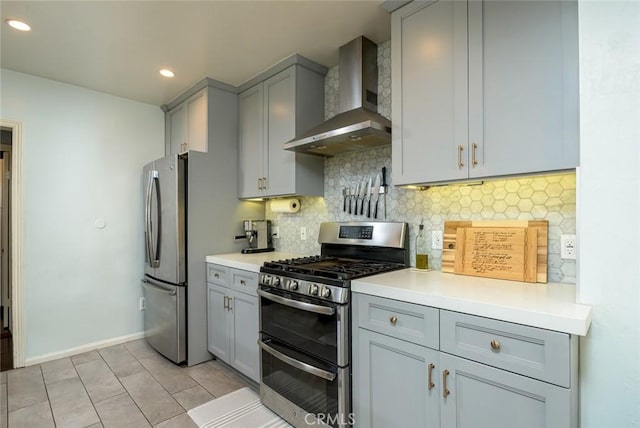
(542, 197)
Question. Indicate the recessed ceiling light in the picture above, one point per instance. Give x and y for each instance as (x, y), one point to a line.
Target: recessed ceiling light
(167, 73)
(18, 25)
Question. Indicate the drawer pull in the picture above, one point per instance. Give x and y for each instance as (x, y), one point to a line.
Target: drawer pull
(431, 384)
(215, 275)
(495, 345)
(445, 391)
(393, 320)
(242, 282)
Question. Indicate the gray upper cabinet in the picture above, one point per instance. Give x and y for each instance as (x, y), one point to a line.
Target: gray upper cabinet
(271, 113)
(200, 115)
(484, 89)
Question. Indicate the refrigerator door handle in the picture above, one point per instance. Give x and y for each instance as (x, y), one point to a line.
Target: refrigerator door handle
(154, 247)
(157, 286)
(147, 219)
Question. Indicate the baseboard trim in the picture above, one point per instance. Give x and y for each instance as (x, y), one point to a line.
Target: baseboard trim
(32, 361)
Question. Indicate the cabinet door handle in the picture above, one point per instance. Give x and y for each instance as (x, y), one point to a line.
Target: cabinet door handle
(393, 320)
(229, 307)
(243, 282)
(215, 275)
(495, 345)
(445, 391)
(264, 183)
(259, 183)
(460, 150)
(430, 379)
(225, 304)
(474, 161)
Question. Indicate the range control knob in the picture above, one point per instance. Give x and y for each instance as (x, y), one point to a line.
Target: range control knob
(275, 281)
(325, 292)
(313, 289)
(293, 285)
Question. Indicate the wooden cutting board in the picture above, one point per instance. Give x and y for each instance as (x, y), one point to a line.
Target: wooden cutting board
(503, 249)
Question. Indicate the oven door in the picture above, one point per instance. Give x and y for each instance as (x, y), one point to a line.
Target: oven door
(301, 389)
(316, 327)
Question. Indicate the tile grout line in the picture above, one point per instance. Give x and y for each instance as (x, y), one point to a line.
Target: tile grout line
(167, 391)
(124, 387)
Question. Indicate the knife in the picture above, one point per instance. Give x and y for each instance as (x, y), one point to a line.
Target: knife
(345, 193)
(361, 197)
(376, 195)
(384, 184)
(355, 199)
(368, 196)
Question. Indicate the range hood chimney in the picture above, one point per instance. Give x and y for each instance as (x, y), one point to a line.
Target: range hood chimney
(358, 125)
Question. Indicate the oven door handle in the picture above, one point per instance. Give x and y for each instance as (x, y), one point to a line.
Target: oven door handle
(297, 364)
(318, 309)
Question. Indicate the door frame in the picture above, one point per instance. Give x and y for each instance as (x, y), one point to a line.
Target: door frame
(17, 294)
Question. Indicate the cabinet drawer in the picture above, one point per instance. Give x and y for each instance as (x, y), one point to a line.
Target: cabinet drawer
(405, 321)
(244, 281)
(217, 274)
(537, 353)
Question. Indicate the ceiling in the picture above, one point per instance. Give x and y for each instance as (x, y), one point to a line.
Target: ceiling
(118, 47)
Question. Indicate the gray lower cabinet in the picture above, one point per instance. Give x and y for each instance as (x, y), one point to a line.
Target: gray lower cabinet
(484, 89)
(481, 373)
(479, 396)
(391, 383)
(232, 320)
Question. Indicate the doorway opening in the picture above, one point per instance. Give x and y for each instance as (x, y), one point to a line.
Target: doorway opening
(6, 336)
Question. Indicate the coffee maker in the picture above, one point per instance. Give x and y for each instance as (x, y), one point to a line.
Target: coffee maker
(258, 234)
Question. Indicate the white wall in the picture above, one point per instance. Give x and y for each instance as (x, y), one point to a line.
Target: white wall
(608, 212)
(83, 158)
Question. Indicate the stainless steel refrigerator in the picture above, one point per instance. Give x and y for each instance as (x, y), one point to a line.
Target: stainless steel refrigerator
(191, 211)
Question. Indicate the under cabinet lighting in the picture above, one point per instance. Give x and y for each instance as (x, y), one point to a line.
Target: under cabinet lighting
(18, 25)
(167, 73)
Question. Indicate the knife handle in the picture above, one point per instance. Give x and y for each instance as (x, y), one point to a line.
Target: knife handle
(369, 208)
(384, 177)
(375, 211)
(344, 205)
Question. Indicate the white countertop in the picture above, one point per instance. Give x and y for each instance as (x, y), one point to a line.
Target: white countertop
(549, 306)
(249, 262)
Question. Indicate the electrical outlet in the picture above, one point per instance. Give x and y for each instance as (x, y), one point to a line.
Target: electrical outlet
(275, 232)
(568, 247)
(436, 240)
(303, 233)
(142, 304)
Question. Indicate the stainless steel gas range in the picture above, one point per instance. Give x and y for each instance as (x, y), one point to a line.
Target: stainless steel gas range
(305, 320)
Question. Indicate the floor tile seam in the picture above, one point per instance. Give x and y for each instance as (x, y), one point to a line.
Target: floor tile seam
(32, 404)
(126, 391)
(84, 388)
(203, 387)
(46, 391)
(134, 400)
(160, 383)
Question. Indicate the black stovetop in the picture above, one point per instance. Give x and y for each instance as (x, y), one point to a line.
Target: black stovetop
(327, 267)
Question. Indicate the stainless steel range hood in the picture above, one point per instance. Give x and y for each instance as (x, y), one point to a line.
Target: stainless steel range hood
(358, 126)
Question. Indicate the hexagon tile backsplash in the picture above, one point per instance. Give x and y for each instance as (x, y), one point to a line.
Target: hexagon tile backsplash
(545, 197)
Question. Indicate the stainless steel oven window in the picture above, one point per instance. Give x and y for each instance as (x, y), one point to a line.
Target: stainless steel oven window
(303, 390)
(318, 328)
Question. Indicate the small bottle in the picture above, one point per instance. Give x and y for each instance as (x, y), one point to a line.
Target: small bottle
(422, 261)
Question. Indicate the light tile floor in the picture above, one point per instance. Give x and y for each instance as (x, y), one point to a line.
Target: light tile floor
(123, 386)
